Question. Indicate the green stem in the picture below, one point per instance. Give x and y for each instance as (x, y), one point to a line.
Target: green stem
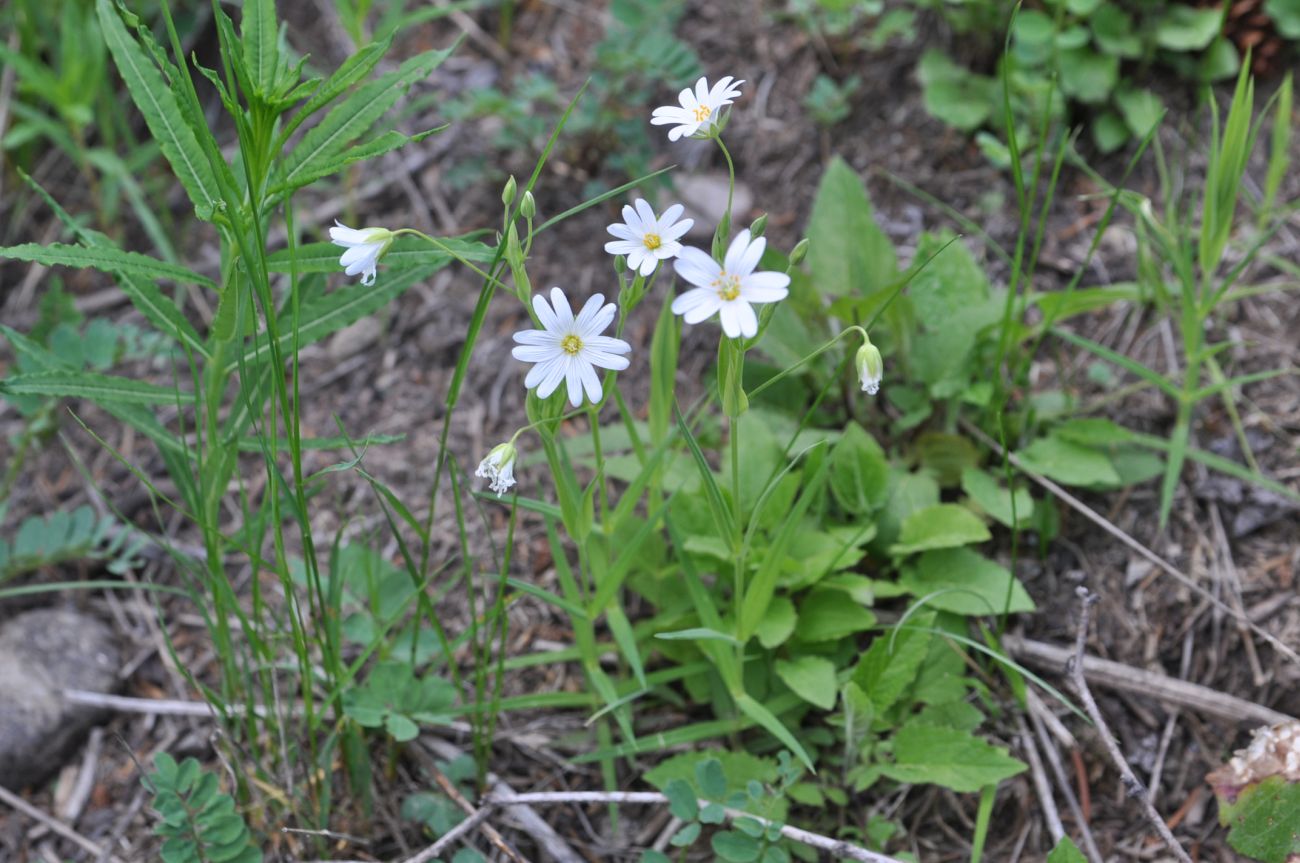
(731, 189)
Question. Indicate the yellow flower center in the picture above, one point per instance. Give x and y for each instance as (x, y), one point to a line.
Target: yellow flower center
(728, 287)
(702, 113)
(652, 241)
(571, 344)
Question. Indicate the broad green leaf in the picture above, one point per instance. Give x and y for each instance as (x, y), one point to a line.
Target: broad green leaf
(995, 500)
(682, 801)
(1066, 852)
(777, 624)
(161, 113)
(859, 471)
(948, 757)
(827, 615)
(954, 94)
(850, 254)
(735, 847)
(1141, 109)
(1113, 30)
(811, 677)
(352, 118)
(943, 525)
(1068, 462)
(106, 259)
(91, 385)
(1087, 75)
(964, 582)
(891, 663)
(1265, 820)
(1186, 28)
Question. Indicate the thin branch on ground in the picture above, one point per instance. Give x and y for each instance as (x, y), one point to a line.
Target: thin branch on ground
(1132, 784)
(1117, 675)
(834, 847)
(1090, 850)
(14, 801)
(1042, 787)
(475, 818)
(1108, 526)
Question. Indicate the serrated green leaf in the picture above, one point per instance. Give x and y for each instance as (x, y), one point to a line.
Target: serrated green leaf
(943, 525)
(91, 385)
(948, 757)
(176, 139)
(352, 118)
(891, 663)
(964, 582)
(104, 258)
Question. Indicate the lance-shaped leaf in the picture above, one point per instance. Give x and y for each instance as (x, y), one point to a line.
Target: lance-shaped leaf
(161, 112)
(92, 386)
(107, 259)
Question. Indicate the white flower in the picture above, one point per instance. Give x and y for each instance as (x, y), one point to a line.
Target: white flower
(871, 368)
(699, 107)
(729, 289)
(647, 240)
(569, 349)
(498, 468)
(364, 248)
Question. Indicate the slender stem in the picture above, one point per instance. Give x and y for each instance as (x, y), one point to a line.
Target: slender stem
(731, 187)
(443, 247)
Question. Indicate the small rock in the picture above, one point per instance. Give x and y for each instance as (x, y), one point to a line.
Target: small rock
(705, 198)
(42, 653)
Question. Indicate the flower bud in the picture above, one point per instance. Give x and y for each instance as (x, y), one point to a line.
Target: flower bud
(508, 193)
(760, 225)
(528, 206)
(498, 468)
(799, 252)
(870, 366)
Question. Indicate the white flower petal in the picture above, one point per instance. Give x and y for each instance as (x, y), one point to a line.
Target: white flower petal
(536, 337)
(623, 247)
(648, 221)
(668, 250)
(563, 314)
(670, 215)
(674, 232)
(589, 311)
(648, 264)
(550, 382)
(765, 287)
(729, 317)
(533, 353)
(538, 373)
(608, 345)
(545, 314)
(736, 252)
(342, 235)
(591, 383)
(633, 222)
(696, 267)
(746, 317)
(599, 322)
(623, 232)
(749, 260)
(606, 361)
(573, 380)
(702, 92)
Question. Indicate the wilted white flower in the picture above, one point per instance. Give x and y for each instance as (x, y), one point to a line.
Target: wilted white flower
(570, 349)
(498, 468)
(729, 289)
(646, 240)
(699, 108)
(871, 368)
(363, 247)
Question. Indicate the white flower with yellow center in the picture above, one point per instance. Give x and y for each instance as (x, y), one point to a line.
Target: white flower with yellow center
(498, 468)
(699, 109)
(363, 249)
(646, 240)
(730, 289)
(570, 349)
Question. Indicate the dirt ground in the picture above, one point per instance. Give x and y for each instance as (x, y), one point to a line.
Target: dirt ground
(1237, 544)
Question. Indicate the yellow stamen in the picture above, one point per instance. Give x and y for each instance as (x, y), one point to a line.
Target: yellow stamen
(571, 344)
(652, 241)
(728, 287)
(702, 113)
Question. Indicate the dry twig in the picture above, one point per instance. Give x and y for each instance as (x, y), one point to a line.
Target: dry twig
(13, 800)
(1132, 784)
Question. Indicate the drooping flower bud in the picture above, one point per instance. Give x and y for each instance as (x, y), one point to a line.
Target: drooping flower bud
(870, 366)
(498, 468)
